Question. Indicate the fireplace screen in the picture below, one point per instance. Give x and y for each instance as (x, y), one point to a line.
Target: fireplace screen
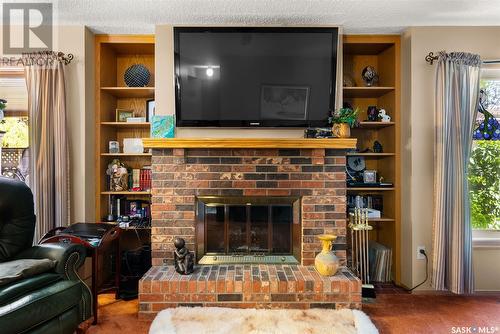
(247, 225)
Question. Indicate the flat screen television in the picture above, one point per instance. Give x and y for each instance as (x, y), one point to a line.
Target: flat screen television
(254, 77)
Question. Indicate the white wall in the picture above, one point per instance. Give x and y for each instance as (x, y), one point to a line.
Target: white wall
(417, 136)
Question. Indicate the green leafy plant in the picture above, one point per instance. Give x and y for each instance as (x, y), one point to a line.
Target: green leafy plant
(344, 115)
(3, 104)
(17, 131)
(484, 184)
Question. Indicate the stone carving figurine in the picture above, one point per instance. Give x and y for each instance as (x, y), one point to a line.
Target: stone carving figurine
(183, 258)
(118, 176)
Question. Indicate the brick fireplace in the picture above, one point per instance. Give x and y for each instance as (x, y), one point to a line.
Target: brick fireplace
(312, 180)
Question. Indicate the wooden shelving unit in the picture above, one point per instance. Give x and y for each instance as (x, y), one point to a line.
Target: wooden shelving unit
(127, 124)
(113, 55)
(383, 53)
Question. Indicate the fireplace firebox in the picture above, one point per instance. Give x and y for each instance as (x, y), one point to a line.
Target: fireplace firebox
(248, 229)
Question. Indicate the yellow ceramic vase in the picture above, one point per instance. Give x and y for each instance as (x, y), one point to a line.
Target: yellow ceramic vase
(326, 262)
(341, 130)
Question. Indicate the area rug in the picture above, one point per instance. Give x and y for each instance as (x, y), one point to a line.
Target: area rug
(218, 320)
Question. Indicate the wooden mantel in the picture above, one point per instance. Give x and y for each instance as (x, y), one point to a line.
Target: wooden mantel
(337, 143)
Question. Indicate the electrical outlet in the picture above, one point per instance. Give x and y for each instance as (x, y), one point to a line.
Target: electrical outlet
(420, 256)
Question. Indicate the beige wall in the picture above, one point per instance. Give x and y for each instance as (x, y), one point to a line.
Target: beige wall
(486, 263)
(78, 40)
(417, 134)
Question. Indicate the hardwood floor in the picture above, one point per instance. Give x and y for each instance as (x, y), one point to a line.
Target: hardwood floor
(393, 311)
(399, 312)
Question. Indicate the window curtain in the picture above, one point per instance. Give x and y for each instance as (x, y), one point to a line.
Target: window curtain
(49, 162)
(456, 101)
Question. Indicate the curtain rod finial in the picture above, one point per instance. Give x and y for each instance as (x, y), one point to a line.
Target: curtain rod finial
(430, 58)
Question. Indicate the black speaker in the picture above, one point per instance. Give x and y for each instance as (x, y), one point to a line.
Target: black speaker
(135, 263)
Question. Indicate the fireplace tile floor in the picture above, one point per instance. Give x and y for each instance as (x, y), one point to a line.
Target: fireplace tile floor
(247, 286)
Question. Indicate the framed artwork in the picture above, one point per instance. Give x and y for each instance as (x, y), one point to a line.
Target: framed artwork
(284, 102)
(150, 110)
(123, 114)
(370, 176)
(163, 126)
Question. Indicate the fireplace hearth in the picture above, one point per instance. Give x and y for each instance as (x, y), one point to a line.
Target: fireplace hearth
(248, 229)
(252, 217)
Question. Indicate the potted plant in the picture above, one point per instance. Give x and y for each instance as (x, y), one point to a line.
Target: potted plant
(342, 121)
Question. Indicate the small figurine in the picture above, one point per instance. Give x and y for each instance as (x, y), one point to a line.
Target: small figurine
(372, 113)
(370, 76)
(383, 116)
(118, 176)
(183, 258)
(377, 147)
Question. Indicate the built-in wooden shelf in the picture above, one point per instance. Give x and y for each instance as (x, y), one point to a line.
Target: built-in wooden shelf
(370, 188)
(126, 154)
(370, 92)
(125, 193)
(127, 124)
(383, 53)
(130, 92)
(371, 154)
(337, 143)
(381, 219)
(375, 125)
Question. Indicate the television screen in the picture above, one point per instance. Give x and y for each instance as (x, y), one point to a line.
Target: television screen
(251, 77)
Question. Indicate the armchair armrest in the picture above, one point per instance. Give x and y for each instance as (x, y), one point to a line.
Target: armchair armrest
(68, 257)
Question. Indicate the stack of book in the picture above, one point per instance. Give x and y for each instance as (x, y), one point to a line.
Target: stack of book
(122, 206)
(380, 262)
(140, 179)
(145, 178)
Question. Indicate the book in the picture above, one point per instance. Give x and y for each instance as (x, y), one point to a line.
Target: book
(136, 179)
(145, 178)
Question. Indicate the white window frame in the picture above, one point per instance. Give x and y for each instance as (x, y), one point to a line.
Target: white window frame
(487, 238)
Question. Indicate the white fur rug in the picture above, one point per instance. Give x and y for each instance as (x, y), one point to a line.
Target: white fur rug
(218, 320)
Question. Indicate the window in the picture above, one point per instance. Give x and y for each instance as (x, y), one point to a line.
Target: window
(484, 168)
(15, 142)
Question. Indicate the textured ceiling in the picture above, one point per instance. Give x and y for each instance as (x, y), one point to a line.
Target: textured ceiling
(369, 16)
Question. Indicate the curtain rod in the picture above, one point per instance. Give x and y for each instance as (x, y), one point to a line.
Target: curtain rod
(431, 57)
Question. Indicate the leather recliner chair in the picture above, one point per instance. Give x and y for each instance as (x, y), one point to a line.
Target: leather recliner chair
(54, 302)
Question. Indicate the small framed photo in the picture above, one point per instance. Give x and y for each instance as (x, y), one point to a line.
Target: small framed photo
(150, 110)
(123, 114)
(370, 176)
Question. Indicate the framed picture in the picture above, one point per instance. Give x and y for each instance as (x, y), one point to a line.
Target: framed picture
(284, 102)
(123, 114)
(150, 110)
(163, 126)
(370, 176)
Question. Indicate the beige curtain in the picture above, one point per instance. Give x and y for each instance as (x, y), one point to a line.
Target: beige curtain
(457, 95)
(49, 177)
